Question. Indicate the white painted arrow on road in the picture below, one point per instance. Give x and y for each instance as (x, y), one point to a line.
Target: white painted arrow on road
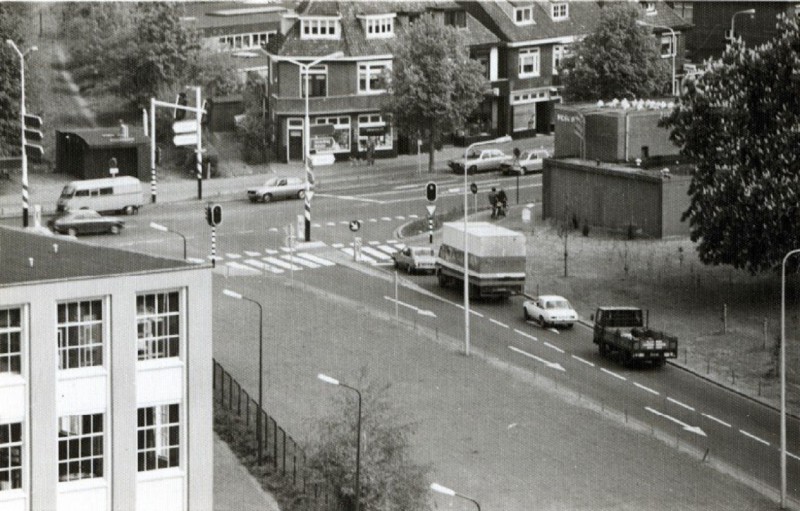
(551, 365)
(691, 429)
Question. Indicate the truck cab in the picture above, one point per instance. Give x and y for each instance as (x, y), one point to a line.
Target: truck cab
(623, 331)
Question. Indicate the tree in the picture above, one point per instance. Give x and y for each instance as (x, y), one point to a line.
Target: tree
(433, 85)
(390, 480)
(619, 59)
(740, 124)
(215, 70)
(255, 132)
(10, 28)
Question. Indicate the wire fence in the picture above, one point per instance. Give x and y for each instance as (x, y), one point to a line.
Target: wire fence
(281, 451)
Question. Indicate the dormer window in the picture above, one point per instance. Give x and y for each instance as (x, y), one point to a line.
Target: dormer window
(559, 11)
(379, 27)
(523, 15)
(319, 28)
(456, 19)
(649, 8)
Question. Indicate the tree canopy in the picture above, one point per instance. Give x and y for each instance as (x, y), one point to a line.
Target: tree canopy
(740, 124)
(389, 478)
(618, 59)
(10, 28)
(434, 85)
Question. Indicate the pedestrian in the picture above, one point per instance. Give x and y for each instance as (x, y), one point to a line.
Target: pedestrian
(371, 151)
(502, 202)
(493, 201)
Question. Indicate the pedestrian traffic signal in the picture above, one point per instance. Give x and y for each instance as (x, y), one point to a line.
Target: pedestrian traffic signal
(430, 192)
(474, 188)
(214, 214)
(33, 126)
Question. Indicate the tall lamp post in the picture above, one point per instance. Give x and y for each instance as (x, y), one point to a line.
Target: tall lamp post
(783, 376)
(751, 12)
(452, 493)
(22, 113)
(334, 381)
(260, 432)
(466, 238)
(305, 68)
(673, 52)
(163, 228)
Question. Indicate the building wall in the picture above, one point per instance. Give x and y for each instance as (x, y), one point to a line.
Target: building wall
(614, 198)
(117, 389)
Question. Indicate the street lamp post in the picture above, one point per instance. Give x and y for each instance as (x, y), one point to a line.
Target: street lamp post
(305, 68)
(751, 12)
(452, 493)
(260, 432)
(783, 376)
(22, 113)
(334, 381)
(500, 140)
(674, 48)
(162, 228)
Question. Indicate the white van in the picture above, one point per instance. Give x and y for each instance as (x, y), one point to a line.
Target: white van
(106, 195)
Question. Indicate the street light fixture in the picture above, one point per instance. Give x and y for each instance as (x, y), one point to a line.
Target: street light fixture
(452, 493)
(783, 376)
(162, 228)
(260, 432)
(334, 381)
(500, 140)
(751, 12)
(674, 48)
(305, 68)
(22, 113)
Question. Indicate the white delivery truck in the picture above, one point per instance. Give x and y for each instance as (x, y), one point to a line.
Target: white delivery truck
(105, 195)
(496, 259)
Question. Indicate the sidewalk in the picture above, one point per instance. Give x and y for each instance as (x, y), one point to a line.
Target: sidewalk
(234, 488)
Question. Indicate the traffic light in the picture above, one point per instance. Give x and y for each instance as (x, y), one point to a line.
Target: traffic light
(181, 100)
(430, 191)
(430, 223)
(214, 214)
(33, 125)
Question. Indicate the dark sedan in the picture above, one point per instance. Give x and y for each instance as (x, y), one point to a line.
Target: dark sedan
(85, 221)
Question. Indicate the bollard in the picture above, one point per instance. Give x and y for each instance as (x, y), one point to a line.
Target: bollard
(705, 456)
(733, 377)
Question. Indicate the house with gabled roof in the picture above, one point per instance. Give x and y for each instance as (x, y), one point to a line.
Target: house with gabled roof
(346, 93)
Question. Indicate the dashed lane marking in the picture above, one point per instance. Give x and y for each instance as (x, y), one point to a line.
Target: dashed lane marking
(675, 401)
(373, 220)
(553, 347)
(583, 360)
(720, 421)
(413, 216)
(273, 229)
(612, 373)
(400, 217)
(386, 219)
(330, 224)
(647, 389)
(523, 334)
(750, 435)
(498, 323)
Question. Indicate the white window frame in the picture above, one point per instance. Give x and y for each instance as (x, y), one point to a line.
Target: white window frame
(320, 69)
(160, 432)
(649, 8)
(371, 121)
(320, 28)
(247, 41)
(379, 27)
(526, 15)
(560, 52)
(666, 42)
(83, 438)
(154, 339)
(87, 346)
(559, 11)
(529, 57)
(340, 124)
(7, 332)
(12, 448)
(368, 70)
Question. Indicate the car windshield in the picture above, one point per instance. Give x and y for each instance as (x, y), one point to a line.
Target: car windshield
(67, 192)
(558, 304)
(524, 155)
(273, 181)
(473, 154)
(424, 251)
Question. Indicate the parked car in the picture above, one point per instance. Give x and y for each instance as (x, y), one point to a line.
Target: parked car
(280, 187)
(528, 163)
(480, 160)
(85, 221)
(550, 310)
(415, 259)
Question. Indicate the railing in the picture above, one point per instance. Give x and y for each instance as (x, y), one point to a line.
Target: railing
(280, 450)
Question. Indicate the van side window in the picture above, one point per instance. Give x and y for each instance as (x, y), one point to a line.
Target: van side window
(82, 193)
(106, 191)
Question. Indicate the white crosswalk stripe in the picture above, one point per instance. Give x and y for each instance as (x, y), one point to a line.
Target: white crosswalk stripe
(318, 260)
(232, 256)
(400, 217)
(337, 245)
(316, 225)
(386, 219)
(270, 251)
(330, 224)
(299, 260)
(263, 266)
(391, 241)
(281, 263)
(373, 220)
(376, 253)
(250, 253)
(242, 267)
(273, 229)
(286, 249)
(388, 249)
(364, 258)
(373, 243)
(413, 216)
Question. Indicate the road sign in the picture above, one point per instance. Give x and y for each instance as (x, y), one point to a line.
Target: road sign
(355, 225)
(474, 188)
(318, 160)
(310, 194)
(184, 126)
(185, 139)
(431, 209)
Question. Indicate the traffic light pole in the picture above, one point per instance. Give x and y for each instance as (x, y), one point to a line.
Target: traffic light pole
(153, 190)
(199, 148)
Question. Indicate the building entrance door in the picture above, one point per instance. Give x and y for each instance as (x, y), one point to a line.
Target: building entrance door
(295, 144)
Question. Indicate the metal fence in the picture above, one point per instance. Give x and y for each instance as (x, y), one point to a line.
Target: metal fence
(281, 451)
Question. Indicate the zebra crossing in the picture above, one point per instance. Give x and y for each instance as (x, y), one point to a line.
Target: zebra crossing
(277, 262)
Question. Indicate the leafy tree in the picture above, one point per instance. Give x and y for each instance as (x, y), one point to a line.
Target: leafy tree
(389, 480)
(740, 124)
(433, 85)
(255, 131)
(618, 59)
(215, 70)
(10, 28)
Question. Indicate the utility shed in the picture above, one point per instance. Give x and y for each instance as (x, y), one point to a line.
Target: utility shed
(86, 153)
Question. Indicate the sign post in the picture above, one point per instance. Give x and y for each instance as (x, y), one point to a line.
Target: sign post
(355, 225)
(474, 189)
(431, 210)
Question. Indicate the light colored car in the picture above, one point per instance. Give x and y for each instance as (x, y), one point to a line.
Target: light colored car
(85, 221)
(279, 187)
(550, 310)
(529, 162)
(415, 259)
(480, 160)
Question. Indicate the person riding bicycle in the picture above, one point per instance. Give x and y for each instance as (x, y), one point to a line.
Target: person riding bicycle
(493, 201)
(502, 203)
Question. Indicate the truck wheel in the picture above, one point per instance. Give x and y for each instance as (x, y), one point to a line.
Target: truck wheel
(659, 362)
(72, 232)
(525, 314)
(626, 358)
(542, 322)
(114, 229)
(442, 280)
(130, 210)
(473, 169)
